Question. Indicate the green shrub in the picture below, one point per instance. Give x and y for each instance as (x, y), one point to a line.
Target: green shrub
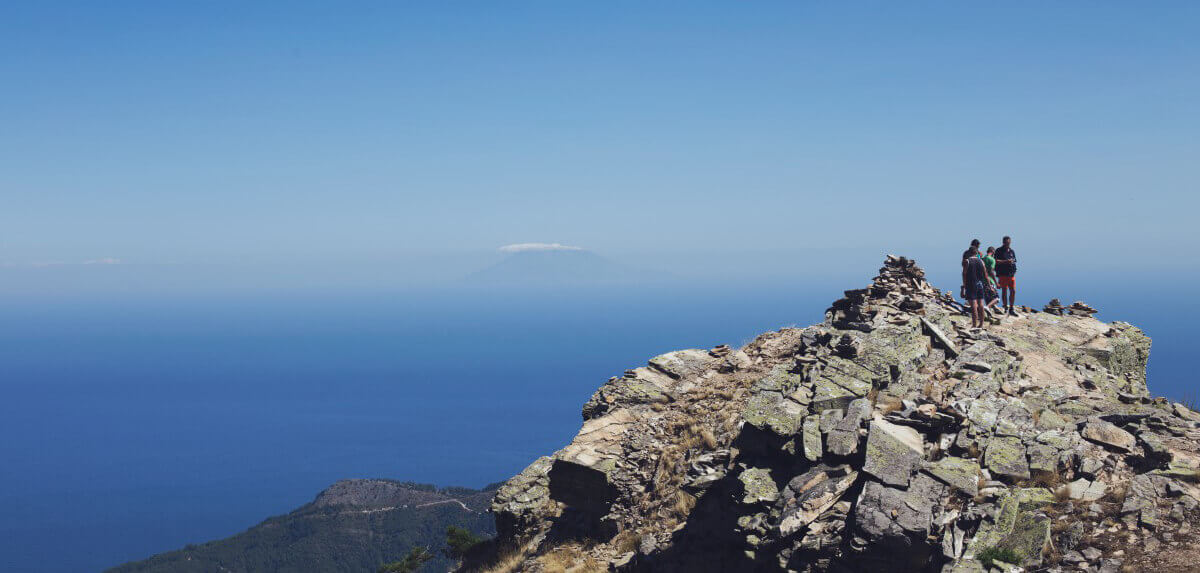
(992, 554)
(459, 541)
(417, 556)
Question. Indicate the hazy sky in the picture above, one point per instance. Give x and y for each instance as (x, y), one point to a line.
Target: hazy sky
(182, 132)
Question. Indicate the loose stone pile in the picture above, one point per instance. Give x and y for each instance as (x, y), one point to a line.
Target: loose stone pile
(890, 437)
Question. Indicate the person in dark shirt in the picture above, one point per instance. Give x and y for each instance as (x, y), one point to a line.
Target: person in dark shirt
(974, 280)
(967, 253)
(1006, 272)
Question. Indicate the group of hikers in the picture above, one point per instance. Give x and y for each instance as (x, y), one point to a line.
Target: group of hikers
(986, 273)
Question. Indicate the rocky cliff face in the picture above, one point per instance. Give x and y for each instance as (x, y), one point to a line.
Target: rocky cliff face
(891, 437)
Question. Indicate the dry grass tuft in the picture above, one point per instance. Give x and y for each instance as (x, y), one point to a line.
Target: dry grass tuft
(560, 559)
(625, 541)
(508, 560)
(888, 404)
(710, 441)
(1117, 494)
(570, 558)
(1048, 480)
(684, 503)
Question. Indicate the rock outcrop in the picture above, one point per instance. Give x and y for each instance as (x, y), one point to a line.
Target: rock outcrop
(891, 437)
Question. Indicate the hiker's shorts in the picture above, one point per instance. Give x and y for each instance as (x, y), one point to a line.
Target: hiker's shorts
(976, 291)
(1007, 282)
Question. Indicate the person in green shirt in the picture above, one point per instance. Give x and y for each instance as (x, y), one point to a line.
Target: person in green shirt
(989, 261)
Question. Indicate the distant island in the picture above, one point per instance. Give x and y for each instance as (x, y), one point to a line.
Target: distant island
(354, 525)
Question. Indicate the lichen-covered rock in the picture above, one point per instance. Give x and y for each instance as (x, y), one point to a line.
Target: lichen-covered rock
(893, 452)
(958, 473)
(892, 523)
(641, 386)
(523, 500)
(757, 486)
(771, 412)
(1005, 456)
(843, 438)
(812, 438)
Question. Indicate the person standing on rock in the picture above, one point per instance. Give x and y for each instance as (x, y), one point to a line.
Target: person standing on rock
(1006, 271)
(970, 252)
(974, 280)
(989, 261)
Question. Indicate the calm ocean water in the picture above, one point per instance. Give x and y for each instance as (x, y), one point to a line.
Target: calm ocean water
(136, 425)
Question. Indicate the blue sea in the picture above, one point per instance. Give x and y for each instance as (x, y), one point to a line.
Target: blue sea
(134, 424)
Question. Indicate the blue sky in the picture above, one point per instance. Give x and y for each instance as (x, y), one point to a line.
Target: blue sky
(327, 133)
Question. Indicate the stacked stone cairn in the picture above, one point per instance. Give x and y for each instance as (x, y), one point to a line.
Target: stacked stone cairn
(890, 437)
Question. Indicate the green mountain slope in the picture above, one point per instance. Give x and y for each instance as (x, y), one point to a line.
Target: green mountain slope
(354, 526)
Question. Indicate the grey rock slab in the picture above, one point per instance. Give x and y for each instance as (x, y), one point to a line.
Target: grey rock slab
(770, 411)
(893, 452)
(891, 516)
(942, 341)
(1108, 434)
(1084, 490)
(682, 363)
(1005, 455)
(1042, 458)
(981, 367)
(959, 473)
(810, 494)
(1048, 419)
(812, 438)
(843, 438)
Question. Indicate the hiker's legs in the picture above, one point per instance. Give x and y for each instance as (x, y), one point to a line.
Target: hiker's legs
(977, 313)
(1008, 291)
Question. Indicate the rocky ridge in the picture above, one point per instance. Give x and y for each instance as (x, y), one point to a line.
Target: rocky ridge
(890, 437)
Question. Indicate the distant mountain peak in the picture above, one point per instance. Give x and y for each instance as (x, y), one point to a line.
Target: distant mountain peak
(552, 264)
(527, 247)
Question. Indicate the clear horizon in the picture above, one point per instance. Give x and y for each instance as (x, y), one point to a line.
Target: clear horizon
(223, 133)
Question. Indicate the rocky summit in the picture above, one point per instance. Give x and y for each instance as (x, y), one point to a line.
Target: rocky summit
(890, 437)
